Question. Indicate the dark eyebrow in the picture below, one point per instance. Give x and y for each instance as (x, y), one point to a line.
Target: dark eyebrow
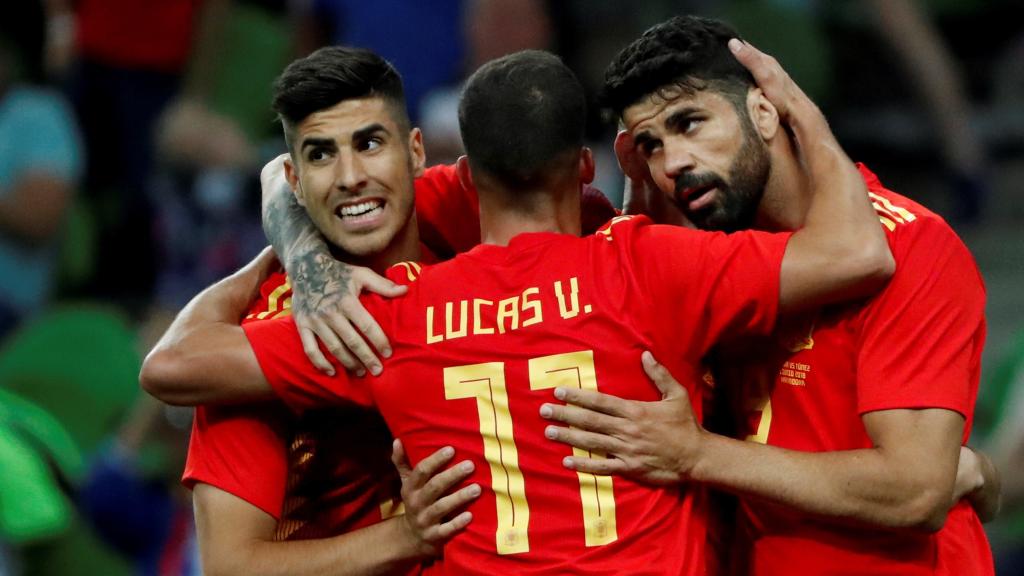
(317, 142)
(642, 138)
(364, 133)
(680, 116)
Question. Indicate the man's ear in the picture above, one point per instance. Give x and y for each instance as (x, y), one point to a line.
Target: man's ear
(631, 164)
(291, 173)
(586, 165)
(417, 152)
(763, 114)
(464, 173)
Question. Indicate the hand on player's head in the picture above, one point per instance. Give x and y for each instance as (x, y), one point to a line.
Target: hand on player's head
(773, 81)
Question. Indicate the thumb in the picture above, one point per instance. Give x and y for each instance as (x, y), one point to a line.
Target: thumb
(399, 459)
(667, 385)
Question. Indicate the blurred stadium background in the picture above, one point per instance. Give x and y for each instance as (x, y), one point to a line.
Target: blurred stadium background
(131, 137)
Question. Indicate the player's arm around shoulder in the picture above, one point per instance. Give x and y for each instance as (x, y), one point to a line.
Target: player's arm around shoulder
(841, 252)
(236, 538)
(205, 357)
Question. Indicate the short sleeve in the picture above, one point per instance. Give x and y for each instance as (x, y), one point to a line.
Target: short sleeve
(710, 284)
(922, 334)
(241, 450)
(293, 377)
(448, 214)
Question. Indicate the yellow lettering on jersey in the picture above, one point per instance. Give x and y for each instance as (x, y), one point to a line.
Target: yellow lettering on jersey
(573, 308)
(534, 305)
(449, 332)
(477, 304)
(576, 370)
(486, 383)
(508, 309)
(432, 338)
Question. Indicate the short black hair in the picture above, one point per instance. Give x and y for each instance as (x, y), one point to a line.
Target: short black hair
(521, 116)
(334, 74)
(689, 52)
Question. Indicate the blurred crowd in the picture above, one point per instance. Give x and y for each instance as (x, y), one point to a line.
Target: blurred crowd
(131, 138)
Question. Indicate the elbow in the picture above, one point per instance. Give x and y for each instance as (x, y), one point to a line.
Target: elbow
(162, 376)
(926, 511)
(870, 268)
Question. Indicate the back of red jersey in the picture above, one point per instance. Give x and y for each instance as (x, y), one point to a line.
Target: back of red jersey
(481, 342)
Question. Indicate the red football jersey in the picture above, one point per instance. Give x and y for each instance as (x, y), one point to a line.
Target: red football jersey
(481, 341)
(307, 472)
(917, 344)
(448, 214)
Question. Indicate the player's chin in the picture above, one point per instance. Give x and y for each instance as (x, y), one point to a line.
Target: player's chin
(368, 243)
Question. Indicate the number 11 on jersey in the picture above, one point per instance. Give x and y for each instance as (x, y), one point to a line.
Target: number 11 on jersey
(486, 383)
(576, 370)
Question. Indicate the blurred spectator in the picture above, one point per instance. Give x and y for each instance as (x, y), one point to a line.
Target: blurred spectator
(140, 507)
(423, 40)
(490, 29)
(40, 163)
(125, 61)
(1004, 395)
(209, 149)
(939, 86)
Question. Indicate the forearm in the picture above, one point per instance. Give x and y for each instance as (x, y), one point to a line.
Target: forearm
(859, 486)
(383, 548)
(204, 357)
(841, 244)
(285, 223)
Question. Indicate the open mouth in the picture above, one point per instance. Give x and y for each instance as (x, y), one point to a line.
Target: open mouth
(697, 197)
(363, 210)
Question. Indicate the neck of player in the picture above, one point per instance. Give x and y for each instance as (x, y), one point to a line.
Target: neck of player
(556, 209)
(787, 195)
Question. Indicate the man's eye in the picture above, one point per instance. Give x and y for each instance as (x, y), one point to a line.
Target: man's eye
(649, 147)
(372, 144)
(317, 154)
(690, 124)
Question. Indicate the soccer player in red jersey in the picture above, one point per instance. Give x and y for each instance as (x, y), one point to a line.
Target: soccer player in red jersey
(855, 414)
(246, 459)
(480, 339)
(333, 465)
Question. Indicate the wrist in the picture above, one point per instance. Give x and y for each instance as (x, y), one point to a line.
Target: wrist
(310, 247)
(976, 476)
(414, 547)
(697, 467)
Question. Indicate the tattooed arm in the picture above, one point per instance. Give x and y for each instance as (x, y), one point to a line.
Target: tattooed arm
(325, 291)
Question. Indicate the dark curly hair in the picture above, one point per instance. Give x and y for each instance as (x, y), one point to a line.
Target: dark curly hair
(685, 52)
(334, 74)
